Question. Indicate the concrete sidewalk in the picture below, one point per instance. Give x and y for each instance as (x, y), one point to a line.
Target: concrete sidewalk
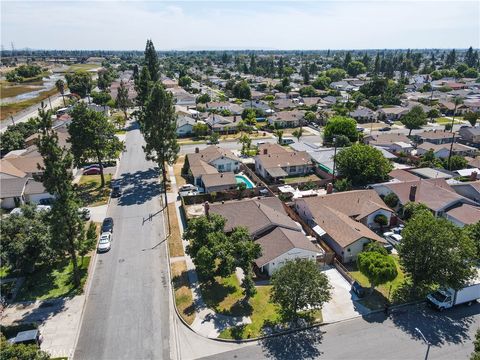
(207, 322)
(59, 320)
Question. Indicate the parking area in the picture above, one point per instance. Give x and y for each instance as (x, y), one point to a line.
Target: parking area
(344, 304)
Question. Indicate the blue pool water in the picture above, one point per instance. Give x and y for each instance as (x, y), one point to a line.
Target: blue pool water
(245, 180)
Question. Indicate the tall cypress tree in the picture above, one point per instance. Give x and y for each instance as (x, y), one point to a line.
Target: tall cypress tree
(151, 61)
(68, 233)
(158, 123)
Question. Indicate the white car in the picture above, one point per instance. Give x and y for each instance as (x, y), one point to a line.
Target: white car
(187, 187)
(105, 242)
(392, 238)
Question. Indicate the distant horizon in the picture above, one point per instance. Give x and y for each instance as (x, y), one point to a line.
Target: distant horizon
(240, 25)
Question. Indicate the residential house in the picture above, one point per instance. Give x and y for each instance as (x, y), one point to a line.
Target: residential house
(435, 137)
(386, 140)
(278, 165)
(285, 119)
(392, 113)
(400, 175)
(283, 104)
(235, 109)
(463, 215)
(321, 156)
(280, 238)
(470, 190)
(442, 151)
(472, 105)
(436, 194)
(470, 134)
(219, 182)
(257, 105)
(447, 107)
(432, 173)
(211, 160)
(363, 114)
(343, 220)
(182, 97)
(15, 192)
(185, 125)
(473, 162)
(222, 124)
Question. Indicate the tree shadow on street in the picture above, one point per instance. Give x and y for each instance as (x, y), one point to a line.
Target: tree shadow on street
(438, 327)
(138, 187)
(298, 345)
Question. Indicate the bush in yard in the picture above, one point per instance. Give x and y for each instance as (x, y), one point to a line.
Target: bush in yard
(377, 267)
(391, 200)
(298, 285)
(381, 220)
(21, 351)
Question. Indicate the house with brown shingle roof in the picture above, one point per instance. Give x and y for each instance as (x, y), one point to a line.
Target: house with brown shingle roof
(284, 119)
(464, 214)
(435, 194)
(442, 151)
(211, 161)
(344, 219)
(277, 165)
(435, 137)
(280, 238)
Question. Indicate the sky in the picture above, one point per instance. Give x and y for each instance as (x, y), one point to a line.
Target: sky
(238, 24)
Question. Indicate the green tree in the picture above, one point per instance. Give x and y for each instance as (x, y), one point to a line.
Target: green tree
(308, 91)
(414, 119)
(10, 351)
(185, 81)
(151, 61)
(381, 220)
(14, 136)
(336, 74)
(203, 99)
(471, 117)
(427, 242)
(200, 129)
(214, 137)
(142, 86)
(356, 67)
(101, 98)
(342, 141)
(118, 120)
(321, 82)
(297, 285)
(297, 133)
(123, 102)
(92, 137)
(343, 185)
(67, 228)
(246, 143)
(79, 82)
(242, 90)
(473, 231)
(158, 123)
(340, 125)
(471, 57)
(378, 268)
(391, 200)
(279, 134)
(363, 164)
(25, 239)
(60, 85)
(476, 343)
(455, 162)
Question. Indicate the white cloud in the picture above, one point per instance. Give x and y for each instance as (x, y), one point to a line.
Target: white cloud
(266, 24)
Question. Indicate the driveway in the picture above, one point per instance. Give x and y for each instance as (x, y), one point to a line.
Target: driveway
(344, 304)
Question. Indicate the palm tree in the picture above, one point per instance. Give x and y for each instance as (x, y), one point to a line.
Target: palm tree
(60, 85)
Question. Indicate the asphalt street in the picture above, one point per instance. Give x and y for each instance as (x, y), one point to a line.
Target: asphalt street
(127, 309)
(450, 334)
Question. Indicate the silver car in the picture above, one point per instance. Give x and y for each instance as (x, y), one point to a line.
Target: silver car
(105, 242)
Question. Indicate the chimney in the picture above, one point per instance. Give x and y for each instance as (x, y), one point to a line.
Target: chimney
(265, 151)
(207, 208)
(413, 192)
(473, 176)
(197, 150)
(329, 188)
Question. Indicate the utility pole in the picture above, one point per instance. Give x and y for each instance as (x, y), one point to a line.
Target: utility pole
(450, 152)
(334, 158)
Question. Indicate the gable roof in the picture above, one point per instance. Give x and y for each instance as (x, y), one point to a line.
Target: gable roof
(6, 167)
(12, 187)
(281, 240)
(282, 159)
(465, 213)
(402, 175)
(219, 179)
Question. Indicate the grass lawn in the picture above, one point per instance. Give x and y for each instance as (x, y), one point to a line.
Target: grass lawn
(177, 171)
(13, 108)
(444, 121)
(53, 282)
(86, 67)
(297, 179)
(90, 191)
(183, 293)
(120, 132)
(4, 272)
(378, 298)
(175, 246)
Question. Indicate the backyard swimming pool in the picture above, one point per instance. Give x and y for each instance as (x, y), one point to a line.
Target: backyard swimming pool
(243, 179)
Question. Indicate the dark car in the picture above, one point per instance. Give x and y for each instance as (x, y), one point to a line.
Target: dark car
(358, 289)
(92, 171)
(116, 191)
(27, 337)
(107, 225)
(386, 128)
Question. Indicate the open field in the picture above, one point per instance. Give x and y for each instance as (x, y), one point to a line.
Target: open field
(86, 67)
(11, 109)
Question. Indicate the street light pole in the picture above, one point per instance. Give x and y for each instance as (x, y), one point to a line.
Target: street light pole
(334, 158)
(426, 341)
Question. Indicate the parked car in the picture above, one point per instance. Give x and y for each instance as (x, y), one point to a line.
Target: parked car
(287, 141)
(91, 166)
(47, 201)
(105, 242)
(84, 213)
(392, 238)
(92, 171)
(360, 129)
(27, 337)
(188, 187)
(388, 247)
(358, 289)
(107, 225)
(386, 128)
(116, 191)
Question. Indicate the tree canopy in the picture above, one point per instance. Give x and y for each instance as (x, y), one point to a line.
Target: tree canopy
(377, 267)
(340, 125)
(414, 119)
(299, 284)
(79, 82)
(363, 164)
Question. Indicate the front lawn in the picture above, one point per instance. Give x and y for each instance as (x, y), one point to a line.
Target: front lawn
(53, 282)
(177, 171)
(225, 296)
(378, 298)
(298, 179)
(444, 121)
(175, 246)
(90, 191)
(183, 293)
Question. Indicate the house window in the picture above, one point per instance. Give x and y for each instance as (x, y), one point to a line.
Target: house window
(293, 169)
(221, 167)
